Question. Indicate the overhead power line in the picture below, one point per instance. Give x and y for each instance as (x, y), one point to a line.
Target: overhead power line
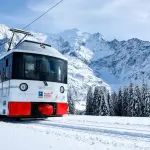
(43, 14)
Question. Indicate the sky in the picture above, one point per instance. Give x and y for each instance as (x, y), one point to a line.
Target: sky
(114, 19)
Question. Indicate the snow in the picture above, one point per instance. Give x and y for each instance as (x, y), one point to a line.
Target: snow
(81, 77)
(76, 132)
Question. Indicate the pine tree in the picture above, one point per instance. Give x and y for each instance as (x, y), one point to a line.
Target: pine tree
(144, 92)
(99, 105)
(71, 104)
(147, 104)
(103, 110)
(108, 98)
(119, 103)
(96, 102)
(131, 99)
(125, 101)
(113, 104)
(136, 102)
(89, 102)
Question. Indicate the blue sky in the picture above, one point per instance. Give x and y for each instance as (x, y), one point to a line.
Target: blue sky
(121, 19)
(15, 13)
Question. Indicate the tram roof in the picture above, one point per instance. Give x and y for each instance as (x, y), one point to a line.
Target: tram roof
(36, 48)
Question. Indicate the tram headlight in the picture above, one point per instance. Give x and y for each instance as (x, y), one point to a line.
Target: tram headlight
(23, 86)
(62, 89)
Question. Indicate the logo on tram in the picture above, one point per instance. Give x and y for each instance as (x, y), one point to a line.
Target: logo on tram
(45, 94)
(40, 94)
(48, 95)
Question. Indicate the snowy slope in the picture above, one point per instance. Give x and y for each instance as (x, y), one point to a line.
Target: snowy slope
(129, 62)
(77, 132)
(81, 76)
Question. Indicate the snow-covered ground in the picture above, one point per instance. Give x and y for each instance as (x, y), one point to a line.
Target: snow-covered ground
(76, 133)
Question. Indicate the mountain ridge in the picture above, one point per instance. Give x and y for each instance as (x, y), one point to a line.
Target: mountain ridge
(116, 62)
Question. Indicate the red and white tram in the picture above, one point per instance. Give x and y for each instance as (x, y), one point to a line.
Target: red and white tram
(33, 81)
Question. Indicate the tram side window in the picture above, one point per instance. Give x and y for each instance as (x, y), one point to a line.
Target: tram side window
(7, 67)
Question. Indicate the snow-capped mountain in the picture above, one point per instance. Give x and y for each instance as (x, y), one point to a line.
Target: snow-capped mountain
(85, 46)
(130, 62)
(71, 44)
(116, 62)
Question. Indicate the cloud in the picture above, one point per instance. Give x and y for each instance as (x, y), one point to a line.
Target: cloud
(120, 19)
(69, 14)
(127, 9)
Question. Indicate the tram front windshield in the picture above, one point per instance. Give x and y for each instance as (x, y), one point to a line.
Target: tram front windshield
(39, 67)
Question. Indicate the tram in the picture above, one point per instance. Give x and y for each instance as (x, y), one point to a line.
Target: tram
(33, 80)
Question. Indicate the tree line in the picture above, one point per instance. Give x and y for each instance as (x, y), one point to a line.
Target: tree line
(132, 100)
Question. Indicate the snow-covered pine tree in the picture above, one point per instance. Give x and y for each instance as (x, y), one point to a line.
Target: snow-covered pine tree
(119, 103)
(89, 101)
(96, 102)
(71, 104)
(113, 103)
(103, 110)
(136, 102)
(147, 104)
(125, 101)
(108, 98)
(144, 92)
(131, 99)
(102, 101)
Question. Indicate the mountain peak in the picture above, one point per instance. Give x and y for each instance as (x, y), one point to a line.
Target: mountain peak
(99, 36)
